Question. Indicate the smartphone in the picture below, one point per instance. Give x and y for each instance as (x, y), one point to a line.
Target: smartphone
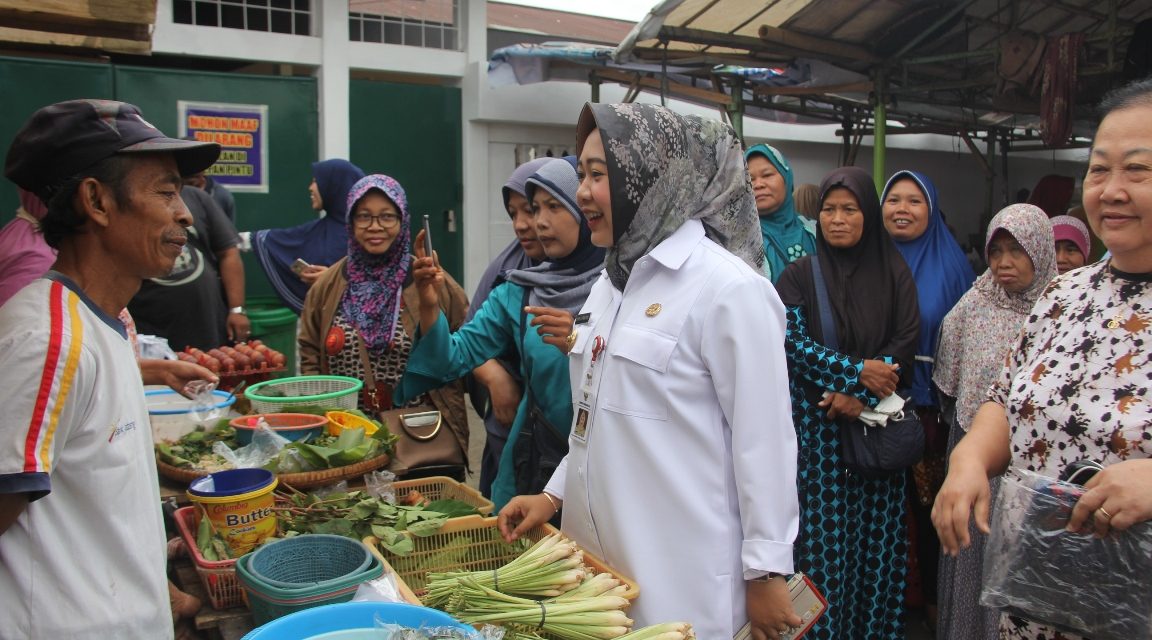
(299, 266)
(807, 602)
(427, 236)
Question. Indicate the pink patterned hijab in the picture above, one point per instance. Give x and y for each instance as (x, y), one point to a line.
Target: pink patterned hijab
(982, 328)
(376, 282)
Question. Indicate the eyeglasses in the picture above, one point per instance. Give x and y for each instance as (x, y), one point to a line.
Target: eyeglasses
(365, 220)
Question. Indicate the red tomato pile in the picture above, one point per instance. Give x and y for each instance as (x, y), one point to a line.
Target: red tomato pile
(249, 356)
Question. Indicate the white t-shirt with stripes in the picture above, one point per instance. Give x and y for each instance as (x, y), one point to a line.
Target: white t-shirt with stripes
(86, 558)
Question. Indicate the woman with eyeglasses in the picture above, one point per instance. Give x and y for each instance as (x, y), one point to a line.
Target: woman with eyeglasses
(362, 313)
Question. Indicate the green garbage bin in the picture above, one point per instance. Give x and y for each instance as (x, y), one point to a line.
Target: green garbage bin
(275, 324)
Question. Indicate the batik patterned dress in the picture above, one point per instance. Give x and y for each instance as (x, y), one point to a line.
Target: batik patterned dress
(852, 532)
(1078, 384)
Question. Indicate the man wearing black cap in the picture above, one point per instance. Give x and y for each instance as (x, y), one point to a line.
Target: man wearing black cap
(82, 544)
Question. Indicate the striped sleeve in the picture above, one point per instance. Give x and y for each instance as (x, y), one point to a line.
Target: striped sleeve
(45, 361)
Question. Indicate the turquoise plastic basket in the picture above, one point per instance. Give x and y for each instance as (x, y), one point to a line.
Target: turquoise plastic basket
(268, 602)
(310, 561)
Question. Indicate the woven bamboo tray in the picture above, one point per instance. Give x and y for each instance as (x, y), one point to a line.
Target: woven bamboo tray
(484, 551)
(305, 480)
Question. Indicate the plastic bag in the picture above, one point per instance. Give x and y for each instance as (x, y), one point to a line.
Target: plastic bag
(382, 589)
(324, 492)
(266, 445)
(378, 484)
(392, 631)
(154, 347)
(1075, 582)
(203, 408)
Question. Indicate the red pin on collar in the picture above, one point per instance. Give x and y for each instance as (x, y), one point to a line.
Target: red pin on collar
(598, 346)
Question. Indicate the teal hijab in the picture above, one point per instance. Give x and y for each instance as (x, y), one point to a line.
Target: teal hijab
(787, 235)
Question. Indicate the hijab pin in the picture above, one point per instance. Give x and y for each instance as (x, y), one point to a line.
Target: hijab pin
(653, 309)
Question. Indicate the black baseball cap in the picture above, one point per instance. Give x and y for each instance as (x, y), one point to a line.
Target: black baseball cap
(63, 139)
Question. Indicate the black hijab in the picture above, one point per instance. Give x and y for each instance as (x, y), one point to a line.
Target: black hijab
(870, 287)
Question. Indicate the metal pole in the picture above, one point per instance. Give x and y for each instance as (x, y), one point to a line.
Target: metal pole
(735, 109)
(880, 138)
(990, 204)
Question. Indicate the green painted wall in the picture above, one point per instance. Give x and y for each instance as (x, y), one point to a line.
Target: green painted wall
(293, 122)
(27, 85)
(412, 133)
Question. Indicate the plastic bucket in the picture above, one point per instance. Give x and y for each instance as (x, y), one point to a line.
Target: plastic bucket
(275, 325)
(238, 503)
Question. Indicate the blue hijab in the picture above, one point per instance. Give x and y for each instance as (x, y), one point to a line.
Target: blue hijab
(321, 242)
(563, 283)
(943, 275)
(787, 235)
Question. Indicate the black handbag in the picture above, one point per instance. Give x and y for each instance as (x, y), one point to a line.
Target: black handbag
(880, 451)
(871, 451)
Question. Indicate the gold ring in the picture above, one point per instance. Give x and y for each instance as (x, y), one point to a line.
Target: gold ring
(570, 341)
(1107, 516)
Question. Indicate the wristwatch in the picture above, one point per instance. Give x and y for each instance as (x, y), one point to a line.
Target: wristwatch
(766, 577)
(239, 310)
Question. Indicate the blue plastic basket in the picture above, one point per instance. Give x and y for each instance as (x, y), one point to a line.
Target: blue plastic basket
(348, 616)
(309, 561)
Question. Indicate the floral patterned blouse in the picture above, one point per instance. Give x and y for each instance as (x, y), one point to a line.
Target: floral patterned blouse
(1078, 384)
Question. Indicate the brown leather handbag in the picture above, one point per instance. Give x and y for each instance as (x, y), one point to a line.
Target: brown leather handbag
(425, 444)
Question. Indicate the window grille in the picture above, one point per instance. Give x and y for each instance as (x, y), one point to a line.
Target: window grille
(433, 24)
(274, 16)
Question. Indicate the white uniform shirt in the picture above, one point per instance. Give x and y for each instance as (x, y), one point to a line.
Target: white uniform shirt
(684, 475)
(86, 558)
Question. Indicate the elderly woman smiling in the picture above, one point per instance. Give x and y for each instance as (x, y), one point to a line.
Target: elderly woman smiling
(1077, 385)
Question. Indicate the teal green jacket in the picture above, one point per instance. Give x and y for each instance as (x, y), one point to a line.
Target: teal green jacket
(441, 356)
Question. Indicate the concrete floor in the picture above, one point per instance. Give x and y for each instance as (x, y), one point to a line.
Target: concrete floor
(915, 628)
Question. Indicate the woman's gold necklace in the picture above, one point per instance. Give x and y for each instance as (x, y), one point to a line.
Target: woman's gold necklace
(1118, 320)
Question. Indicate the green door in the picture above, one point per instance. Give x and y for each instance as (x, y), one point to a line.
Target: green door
(293, 123)
(413, 133)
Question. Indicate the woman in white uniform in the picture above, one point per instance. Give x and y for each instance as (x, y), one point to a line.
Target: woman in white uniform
(681, 471)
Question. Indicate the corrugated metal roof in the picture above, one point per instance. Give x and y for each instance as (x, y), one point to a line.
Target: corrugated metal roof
(938, 59)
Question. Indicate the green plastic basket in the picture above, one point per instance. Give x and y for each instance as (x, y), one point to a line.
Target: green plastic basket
(331, 392)
(268, 602)
(309, 561)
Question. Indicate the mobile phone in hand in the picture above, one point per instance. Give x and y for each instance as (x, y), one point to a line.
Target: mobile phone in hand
(808, 603)
(299, 265)
(427, 236)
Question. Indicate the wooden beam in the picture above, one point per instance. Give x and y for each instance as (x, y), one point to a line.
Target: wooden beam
(850, 87)
(115, 19)
(1080, 11)
(711, 39)
(674, 88)
(913, 88)
(942, 131)
(988, 170)
(814, 45)
(73, 41)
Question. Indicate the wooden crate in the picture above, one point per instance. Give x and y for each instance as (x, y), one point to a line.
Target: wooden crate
(468, 544)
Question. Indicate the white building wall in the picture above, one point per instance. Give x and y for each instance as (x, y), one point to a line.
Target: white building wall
(496, 120)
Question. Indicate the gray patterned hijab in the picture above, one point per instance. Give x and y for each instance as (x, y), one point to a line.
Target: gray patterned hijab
(665, 169)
